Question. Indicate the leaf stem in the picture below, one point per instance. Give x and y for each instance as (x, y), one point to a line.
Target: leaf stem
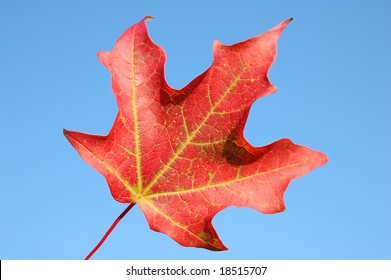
(119, 218)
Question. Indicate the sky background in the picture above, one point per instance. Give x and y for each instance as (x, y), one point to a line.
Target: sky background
(333, 74)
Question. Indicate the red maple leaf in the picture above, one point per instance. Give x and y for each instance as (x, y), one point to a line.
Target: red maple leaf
(181, 154)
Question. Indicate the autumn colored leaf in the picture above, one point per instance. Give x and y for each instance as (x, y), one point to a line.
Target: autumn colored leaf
(181, 154)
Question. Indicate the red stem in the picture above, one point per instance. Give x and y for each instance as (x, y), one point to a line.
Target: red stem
(110, 230)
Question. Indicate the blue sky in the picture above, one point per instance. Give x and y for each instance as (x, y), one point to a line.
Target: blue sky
(333, 76)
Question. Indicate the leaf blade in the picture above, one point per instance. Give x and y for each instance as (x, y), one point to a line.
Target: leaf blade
(181, 154)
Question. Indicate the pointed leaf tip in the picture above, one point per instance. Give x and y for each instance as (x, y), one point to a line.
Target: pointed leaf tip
(286, 22)
(65, 132)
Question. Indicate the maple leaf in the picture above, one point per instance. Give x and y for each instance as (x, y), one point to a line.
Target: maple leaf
(181, 154)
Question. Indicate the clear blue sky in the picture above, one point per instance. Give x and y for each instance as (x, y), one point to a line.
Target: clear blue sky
(333, 74)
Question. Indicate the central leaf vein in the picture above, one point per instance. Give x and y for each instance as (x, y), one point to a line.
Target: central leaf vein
(135, 122)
